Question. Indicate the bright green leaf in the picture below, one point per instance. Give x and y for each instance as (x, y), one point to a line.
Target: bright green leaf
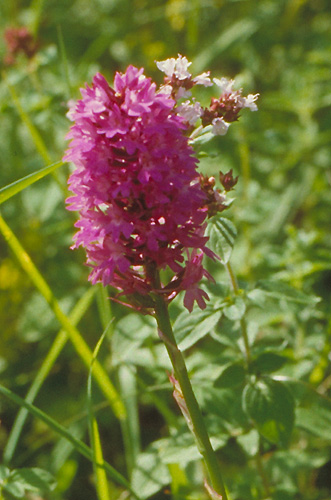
(222, 234)
(34, 479)
(200, 330)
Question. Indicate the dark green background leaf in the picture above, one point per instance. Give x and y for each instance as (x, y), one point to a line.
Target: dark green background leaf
(270, 404)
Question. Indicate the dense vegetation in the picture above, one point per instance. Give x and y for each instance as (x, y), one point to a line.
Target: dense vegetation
(271, 422)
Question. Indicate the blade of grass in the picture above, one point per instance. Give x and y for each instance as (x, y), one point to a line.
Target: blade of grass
(15, 187)
(36, 8)
(64, 60)
(36, 137)
(130, 426)
(48, 363)
(79, 446)
(98, 461)
(74, 335)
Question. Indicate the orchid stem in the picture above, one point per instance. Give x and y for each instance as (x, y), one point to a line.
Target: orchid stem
(195, 418)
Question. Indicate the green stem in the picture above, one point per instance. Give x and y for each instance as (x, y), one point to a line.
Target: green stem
(263, 476)
(243, 324)
(197, 424)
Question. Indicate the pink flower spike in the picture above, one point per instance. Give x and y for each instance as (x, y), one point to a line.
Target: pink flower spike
(136, 187)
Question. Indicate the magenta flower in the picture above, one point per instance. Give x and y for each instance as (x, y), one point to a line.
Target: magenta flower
(136, 187)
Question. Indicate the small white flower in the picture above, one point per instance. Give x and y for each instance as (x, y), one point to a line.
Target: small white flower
(165, 89)
(167, 66)
(177, 67)
(190, 112)
(182, 93)
(220, 127)
(224, 84)
(249, 101)
(203, 79)
(181, 68)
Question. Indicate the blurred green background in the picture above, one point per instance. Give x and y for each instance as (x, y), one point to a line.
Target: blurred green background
(278, 48)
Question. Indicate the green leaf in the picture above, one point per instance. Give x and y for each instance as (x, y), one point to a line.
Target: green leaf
(200, 330)
(149, 474)
(126, 340)
(316, 420)
(282, 291)
(236, 309)
(232, 376)
(185, 323)
(4, 473)
(270, 404)
(250, 442)
(222, 234)
(268, 362)
(34, 479)
(15, 488)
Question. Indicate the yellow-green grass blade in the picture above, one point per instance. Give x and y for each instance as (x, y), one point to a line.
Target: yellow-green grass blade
(98, 461)
(15, 187)
(54, 352)
(79, 446)
(74, 335)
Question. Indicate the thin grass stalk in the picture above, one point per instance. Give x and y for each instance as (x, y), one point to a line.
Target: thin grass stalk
(98, 461)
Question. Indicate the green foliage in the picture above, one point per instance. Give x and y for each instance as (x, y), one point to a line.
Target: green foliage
(18, 482)
(270, 405)
(259, 354)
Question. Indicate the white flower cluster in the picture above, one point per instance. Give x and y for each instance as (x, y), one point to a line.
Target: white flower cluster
(179, 80)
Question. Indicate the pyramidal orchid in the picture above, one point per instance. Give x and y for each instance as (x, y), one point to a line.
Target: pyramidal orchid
(142, 204)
